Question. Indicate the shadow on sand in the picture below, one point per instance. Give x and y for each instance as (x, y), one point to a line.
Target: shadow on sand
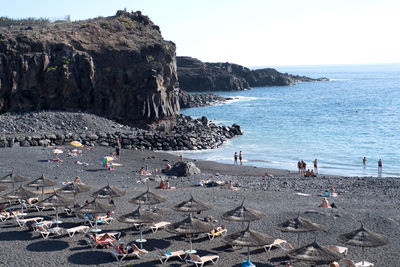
(91, 258)
(15, 235)
(258, 264)
(47, 245)
(96, 170)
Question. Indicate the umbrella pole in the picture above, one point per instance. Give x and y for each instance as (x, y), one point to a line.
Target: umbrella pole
(42, 192)
(298, 239)
(248, 254)
(141, 237)
(191, 245)
(57, 216)
(362, 255)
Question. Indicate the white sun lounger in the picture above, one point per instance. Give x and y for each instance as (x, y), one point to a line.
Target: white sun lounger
(22, 222)
(55, 231)
(155, 226)
(339, 249)
(83, 229)
(283, 244)
(164, 256)
(199, 261)
(119, 256)
(212, 235)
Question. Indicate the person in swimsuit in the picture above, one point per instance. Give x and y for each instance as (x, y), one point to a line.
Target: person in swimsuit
(240, 157)
(235, 158)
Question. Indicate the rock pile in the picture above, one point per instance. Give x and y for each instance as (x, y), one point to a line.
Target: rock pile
(59, 128)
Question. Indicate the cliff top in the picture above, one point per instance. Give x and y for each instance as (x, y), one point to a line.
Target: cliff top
(125, 30)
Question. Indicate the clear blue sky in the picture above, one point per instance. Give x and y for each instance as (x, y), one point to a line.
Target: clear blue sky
(253, 32)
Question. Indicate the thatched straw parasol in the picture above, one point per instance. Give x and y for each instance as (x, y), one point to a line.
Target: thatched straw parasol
(189, 226)
(74, 188)
(363, 237)
(299, 225)
(242, 214)
(95, 207)
(140, 216)
(315, 253)
(42, 182)
(108, 192)
(13, 178)
(248, 238)
(56, 201)
(192, 205)
(148, 198)
(20, 194)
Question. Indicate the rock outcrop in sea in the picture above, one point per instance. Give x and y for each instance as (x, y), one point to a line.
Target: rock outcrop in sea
(118, 67)
(195, 75)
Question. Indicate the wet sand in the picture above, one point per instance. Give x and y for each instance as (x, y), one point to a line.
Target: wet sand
(374, 201)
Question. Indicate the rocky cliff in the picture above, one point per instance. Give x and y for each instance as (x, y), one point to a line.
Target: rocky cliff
(195, 75)
(118, 67)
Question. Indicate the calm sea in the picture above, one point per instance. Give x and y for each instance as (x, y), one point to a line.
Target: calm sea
(356, 114)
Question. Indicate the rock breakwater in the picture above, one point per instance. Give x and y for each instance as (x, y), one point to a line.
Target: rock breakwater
(60, 128)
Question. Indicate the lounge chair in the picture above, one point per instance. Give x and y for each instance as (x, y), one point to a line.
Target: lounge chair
(120, 255)
(341, 250)
(5, 215)
(42, 224)
(22, 222)
(214, 233)
(47, 232)
(82, 228)
(140, 250)
(155, 226)
(199, 261)
(93, 242)
(104, 219)
(283, 244)
(350, 263)
(164, 256)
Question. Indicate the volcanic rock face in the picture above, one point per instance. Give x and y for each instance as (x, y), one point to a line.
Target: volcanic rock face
(195, 75)
(118, 67)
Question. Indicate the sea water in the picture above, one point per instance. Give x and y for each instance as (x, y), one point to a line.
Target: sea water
(354, 115)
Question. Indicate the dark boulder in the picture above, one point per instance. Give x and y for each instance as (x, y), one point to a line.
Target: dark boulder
(183, 168)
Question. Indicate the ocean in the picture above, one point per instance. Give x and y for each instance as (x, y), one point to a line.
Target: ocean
(354, 115)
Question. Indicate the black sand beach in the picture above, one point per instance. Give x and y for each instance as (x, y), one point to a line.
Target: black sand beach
(374, 201)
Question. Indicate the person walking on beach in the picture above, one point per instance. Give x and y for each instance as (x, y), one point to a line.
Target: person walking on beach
(299, 166)
(364, 161)
(315, 166)
(240, 157)
(235, 158)
(180, 157)
(118, 149)
(379, 165)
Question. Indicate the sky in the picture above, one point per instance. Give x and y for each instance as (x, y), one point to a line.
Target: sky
(253, 32)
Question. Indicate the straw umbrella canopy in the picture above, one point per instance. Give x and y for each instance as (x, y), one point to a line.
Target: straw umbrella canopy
(189, 226)
(248, 238)
(20, 194)
(42, 182)
(140, 216)
(3, 187)
(148, 198)
(192, 205)
(363, 237)
(74, 188)
(242, 214)
(315, 253)
(108, 192)
(56, 200)
(299, 225)
(95, 207)
(13, 178)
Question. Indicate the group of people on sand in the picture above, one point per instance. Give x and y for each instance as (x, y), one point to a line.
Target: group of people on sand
(165, 185)
(302, 167)
(330, 193)
(236, 156)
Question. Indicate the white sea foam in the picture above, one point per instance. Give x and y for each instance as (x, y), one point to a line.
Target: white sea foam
(241, 99)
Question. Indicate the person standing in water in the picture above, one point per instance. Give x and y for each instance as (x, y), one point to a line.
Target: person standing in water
(315, 166)
(364, 161)
(379, 165)
(240, 157)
